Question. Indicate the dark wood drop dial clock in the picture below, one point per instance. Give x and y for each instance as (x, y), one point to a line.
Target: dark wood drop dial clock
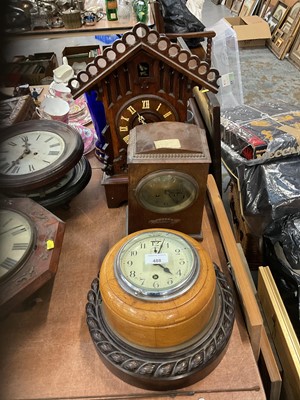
(167, 170)
(37, 153)
(161, 314)
(30, 244)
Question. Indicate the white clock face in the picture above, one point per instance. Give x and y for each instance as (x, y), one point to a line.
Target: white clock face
(16, 238)
(30, 152)
(157, 265)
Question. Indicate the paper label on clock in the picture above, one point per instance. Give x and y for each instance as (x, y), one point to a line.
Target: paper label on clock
(167, 144)
(157, 258)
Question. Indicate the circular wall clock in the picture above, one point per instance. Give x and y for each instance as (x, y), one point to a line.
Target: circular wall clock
(142, 110)
(167, 191)
(161, 314)
(157, 265)
(61, 192)
(37, 153)
(30, 244)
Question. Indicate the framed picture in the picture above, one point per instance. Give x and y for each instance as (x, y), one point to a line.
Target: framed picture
(263, 7)
(236, 6)
(278, 15)
(294, 55)
(247, 8)
(285, 33)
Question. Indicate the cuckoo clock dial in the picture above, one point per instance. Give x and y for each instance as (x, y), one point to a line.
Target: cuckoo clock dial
(143, 110)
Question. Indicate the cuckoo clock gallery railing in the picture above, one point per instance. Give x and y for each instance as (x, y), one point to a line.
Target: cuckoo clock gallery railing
(182, 60)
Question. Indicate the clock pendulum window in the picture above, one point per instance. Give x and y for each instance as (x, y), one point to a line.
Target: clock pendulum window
(43, 160)
(167, 173)
(161, 313)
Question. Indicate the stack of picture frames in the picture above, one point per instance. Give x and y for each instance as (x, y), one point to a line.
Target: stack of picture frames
(285, 31)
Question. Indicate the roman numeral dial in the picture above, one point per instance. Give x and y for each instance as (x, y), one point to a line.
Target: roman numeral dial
(34, 154)
(143, 110)
(16, 240)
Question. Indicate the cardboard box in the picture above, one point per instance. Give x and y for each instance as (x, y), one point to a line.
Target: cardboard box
(251, 31)
(81, 54)
(31, 69)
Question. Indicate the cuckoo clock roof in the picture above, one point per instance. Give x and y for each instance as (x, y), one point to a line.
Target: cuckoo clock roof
(143, 39)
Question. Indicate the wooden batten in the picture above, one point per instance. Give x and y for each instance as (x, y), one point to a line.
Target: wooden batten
(282, 333)
(249, 304)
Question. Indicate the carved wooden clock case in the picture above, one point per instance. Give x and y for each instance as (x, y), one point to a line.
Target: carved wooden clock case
(141, 78)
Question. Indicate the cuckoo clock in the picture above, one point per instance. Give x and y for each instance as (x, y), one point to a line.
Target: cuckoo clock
(142, 78)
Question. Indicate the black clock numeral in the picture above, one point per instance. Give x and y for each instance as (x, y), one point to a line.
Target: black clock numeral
(133, 253)
(20, 246)
(31, 167)
(53, 153)
(55, 144)
(15, 169)
(8, 263)
(12, 143)
(4, 166)
(142, 281)
(129, 262)
(38, 136)
(46, 161)
(48, 140)
(170, 282)
(132, 274)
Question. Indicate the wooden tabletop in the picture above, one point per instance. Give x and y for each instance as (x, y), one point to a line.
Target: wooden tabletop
(46, 348)
(101, 27)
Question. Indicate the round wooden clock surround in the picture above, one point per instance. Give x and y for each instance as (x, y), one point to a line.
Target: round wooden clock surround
(161, 345)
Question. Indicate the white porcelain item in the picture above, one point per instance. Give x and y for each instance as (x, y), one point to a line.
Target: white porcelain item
(54, 108)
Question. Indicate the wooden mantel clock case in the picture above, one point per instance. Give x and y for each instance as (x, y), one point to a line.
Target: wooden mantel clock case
(167, 170)
(142, 78)
(161, 313)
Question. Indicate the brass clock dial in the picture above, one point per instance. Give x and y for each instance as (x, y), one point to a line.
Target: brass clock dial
(142, 110)
(36, 153)
(167, 191)
(157, 265)
(16, 240)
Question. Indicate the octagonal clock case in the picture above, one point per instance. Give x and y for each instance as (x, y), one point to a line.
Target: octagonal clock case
(167, 173)
(161, 313)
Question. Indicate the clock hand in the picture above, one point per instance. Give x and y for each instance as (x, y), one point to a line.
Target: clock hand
(141, 119)
(11, 229)
(26, 145)
(15, 162)
(166, 269)
(160, 247)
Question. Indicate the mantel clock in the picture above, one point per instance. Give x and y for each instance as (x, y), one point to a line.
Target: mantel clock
(167, 170)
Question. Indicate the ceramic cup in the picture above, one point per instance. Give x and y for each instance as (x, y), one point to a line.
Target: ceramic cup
(61, 91)
(54, 108)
